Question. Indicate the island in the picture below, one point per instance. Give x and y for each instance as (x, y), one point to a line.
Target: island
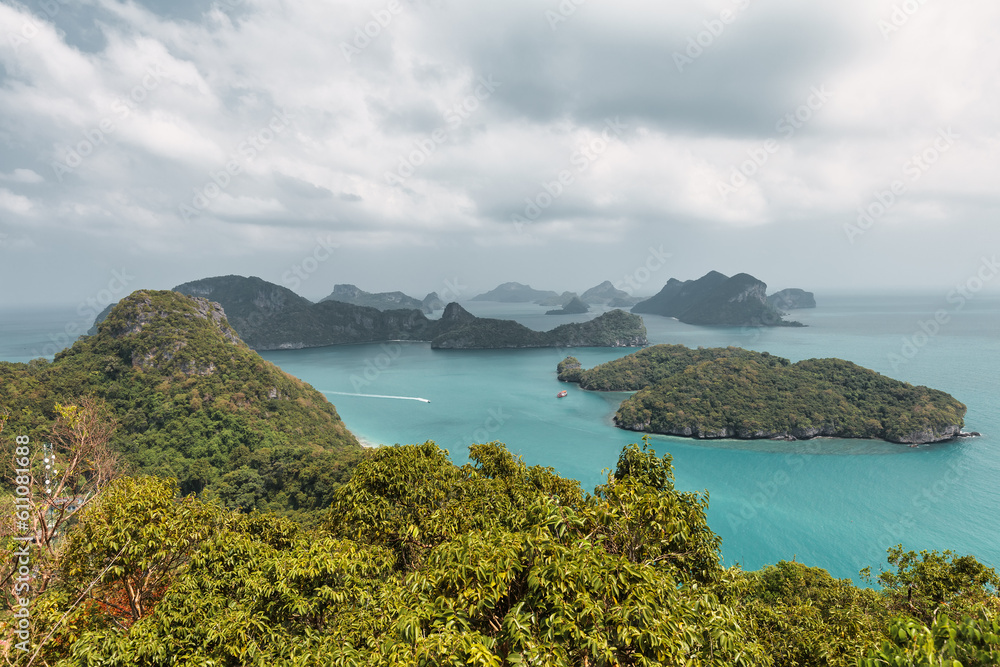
(574, 307)
(432, 303)
(715, 300)
(271, 317)
(560, 300)
(792, 299)
(383, 300)
(735, 393)
(515, 293)
(615, 328)
(606, 294)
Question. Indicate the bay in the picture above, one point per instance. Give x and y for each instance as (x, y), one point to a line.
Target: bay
(836, 504)
(831, 503)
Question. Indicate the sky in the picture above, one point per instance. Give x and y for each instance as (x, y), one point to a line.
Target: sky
(438, 145)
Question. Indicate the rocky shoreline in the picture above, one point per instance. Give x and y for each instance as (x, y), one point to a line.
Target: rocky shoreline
(923, 437)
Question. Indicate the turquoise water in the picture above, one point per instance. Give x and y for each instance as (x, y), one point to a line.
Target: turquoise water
(836, 504)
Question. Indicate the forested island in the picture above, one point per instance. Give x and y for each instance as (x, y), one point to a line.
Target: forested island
(615, 328)
(271, 317)
(718, 300)
(737, 393)
(381, 300)
(574, 306)
(209, 509)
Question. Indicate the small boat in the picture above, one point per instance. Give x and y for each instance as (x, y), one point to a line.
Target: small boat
(562, 394)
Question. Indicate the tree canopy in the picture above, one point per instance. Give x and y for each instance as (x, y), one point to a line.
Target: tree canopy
(422, 562)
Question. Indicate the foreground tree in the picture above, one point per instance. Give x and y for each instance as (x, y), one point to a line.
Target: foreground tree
(970, 642)
(63, 476)
(925, 584)
(947, 611)
(421, 562)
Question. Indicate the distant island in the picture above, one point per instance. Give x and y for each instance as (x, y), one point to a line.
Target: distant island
(615, 328)
(515, 293)
(560, 300)
(736, 393)
(271, 317)
(605, 294)
(383, 300)
(715, 300)
(792, 299)
(574, 307)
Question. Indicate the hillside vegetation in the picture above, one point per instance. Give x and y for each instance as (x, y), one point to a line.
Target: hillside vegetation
(494, 563)
(194, 403)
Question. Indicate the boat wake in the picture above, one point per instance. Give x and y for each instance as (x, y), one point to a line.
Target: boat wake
(401, 398)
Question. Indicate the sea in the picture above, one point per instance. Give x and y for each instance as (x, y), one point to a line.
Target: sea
(830, 503)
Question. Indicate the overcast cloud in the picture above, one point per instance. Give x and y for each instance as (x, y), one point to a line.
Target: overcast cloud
(418, 144)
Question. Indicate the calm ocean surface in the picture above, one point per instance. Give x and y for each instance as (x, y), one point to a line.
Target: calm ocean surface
(836, 504)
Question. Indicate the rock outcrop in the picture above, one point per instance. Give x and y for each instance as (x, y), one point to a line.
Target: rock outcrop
(715, 300)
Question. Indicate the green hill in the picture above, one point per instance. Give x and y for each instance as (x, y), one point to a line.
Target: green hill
(195, 403)
(735, 393)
